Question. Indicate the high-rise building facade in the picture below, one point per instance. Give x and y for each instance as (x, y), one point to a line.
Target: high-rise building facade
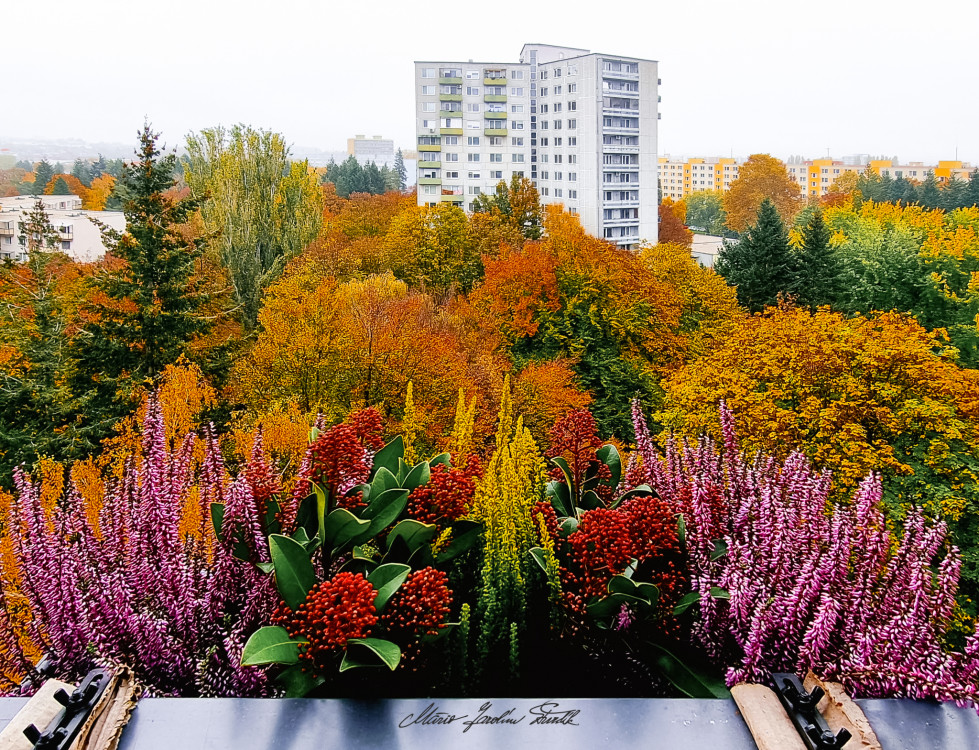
(581, 125)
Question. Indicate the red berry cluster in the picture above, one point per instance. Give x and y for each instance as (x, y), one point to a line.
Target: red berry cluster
(448, 494)
(368, 426)
(421, 606)
(335, 611)
(602, 547)
(545, 509)
(575, 438)
(653, 526)
(338, 459)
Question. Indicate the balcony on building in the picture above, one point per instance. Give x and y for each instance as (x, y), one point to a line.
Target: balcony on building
(494, 77)
(450, 76)
(622, 70)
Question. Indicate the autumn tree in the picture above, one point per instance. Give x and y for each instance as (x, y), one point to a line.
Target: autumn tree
(261, 208)
(518, 203)
(760, 264)
(433, 249)
(760, 177)
(855, 394)
(145, 312)
(98, 194)
(671, 226)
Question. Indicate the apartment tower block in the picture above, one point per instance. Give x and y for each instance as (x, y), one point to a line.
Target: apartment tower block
(581, 125)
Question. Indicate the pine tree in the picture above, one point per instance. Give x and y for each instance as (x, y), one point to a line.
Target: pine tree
(149, 313)
(972, 198)
(60, 187)
(955, 194)
(760, 264)
(98, 168)
(37, 229)
(817, 267)
(929, 195)
(399, 168)
(373, 182)
(81, 172)
(43, 174)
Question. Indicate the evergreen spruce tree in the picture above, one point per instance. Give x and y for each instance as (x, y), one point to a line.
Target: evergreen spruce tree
(37, 229)
(817, 267)
(929, 195)
(955, 194)
(972, 195)
(399, 168)
(150, 313)
(81, 172)
(373, 182)
(760, 264)
(97, 168)
(43, 174)
(60, 187)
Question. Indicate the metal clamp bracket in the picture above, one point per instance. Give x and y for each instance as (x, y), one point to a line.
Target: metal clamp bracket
(801, 708)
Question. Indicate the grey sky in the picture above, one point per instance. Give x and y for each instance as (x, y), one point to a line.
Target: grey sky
(777, 76)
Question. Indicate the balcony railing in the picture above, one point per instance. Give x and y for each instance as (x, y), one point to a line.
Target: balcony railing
(453, 80)
(490, 132)
(495, 98)
(494, 81)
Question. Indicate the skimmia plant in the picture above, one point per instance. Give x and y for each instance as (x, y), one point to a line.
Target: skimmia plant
(813, 584)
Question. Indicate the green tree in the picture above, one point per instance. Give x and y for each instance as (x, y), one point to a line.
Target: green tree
(373, 180)
(817, 268)
(972, 197)
(929, 194)
(37, 230)
(760, 264)
(98, 168)
(705, 212)
(400, 170)
(60, 187)
(955, 194)
(82, 173)
(148, 312)
(261, 208)
(43, 174)
(519, 202)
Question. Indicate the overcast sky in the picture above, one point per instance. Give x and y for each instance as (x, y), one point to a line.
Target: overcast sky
(776, 76)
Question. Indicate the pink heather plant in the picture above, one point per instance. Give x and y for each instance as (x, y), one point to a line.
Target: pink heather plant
(814, 584)
(136, 593)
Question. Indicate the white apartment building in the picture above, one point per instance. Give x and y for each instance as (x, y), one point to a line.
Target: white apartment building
(80, 239)
(581, 125)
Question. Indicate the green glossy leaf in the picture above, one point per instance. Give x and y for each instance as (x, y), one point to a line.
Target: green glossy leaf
(418, 476)
(299, 682)
(641, 491)
(441, 458)
(719, 593)
(465, 535)
(693, 682)
(611, 605)
(681, 530)
(384, 480)
(383, 511)
(590, 500)
(217, 518)
(387, 579)
(414, 533)
(364, 490)
(370, 652)
(294, 575)
(560, 498)
(271, 525)
(402, 472)
(566, 470)
(720, 549)
(568, 526)
(609, 455)
(388, 456)
(342, 526)
(648, 592)
(270, 645)
(539, 555)
(301, 536)
(358, 565)
(320, 513)
(265, 567)
(621, 585)
(361, 554)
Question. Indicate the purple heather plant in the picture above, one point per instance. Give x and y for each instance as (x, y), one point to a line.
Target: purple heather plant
(814, 583)
(133, 592)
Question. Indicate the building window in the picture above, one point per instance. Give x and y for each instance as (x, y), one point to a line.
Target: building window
(558, 124)
(558, 176)
(428, 106)
(496, 157)
(497, 175)
(472, 90)
(573, 141)
(557, 106)
(558, 141)
(428, 91)
(429, 189)
(545, 175)
(544, 192)
(572, 124)
(451, 140)
(474, 175)
(572, 158)
(472, 157)
(497, 140)
(543, 91)
(572, 176)
(517, 157)
(516, 124)
(450, 157)
(572, 106)
(558, 193)
(557, 91)
(472, 107)
(544, 109)
(472, 140)
(558, 158)
(543, 75)
(557, 72)
(516, 75)
(473, 190)
(428, 72)
(451, 175)
(516, 91)
(516, 108)
(573, 194)
(472, 75)
(572, 88)
(516, 141)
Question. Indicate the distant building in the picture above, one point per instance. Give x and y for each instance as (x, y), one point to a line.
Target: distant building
(376, 149)
(681, 177)
(80, 239)
(581, 125)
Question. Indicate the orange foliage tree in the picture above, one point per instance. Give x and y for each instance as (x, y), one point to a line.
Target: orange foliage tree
(671, 223)
(762, 176)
